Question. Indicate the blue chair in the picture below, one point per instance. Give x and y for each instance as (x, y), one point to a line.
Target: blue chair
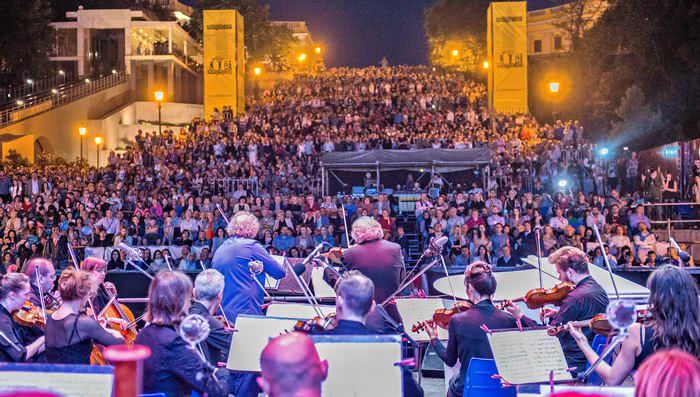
(358, 190)
(598, 345)
(480, 381)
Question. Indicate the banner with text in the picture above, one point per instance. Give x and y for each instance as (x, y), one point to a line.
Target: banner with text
(507, 53)
(222, 60)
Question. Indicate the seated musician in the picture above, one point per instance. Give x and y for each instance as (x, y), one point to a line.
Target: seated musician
(70, 335)
(105, 289)
(675, 324)
(14, 291)
(353, 306)
(668, 373)
(466, 337)
(584, 302)
(46, 279)
(208, 289)
(376, 258)
(290, 367)
(173, 367)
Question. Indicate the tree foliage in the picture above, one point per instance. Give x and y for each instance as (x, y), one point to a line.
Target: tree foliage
(643, 55)
(457, 25)
(25, 40)
(261, 38)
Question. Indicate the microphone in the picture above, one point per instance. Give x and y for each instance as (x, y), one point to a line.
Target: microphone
(684, 256)
(436, 244)
(299, 268)
(131, 252)
(313, 253)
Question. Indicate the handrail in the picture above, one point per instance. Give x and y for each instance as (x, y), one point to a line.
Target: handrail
(58, 97)
(13, 93)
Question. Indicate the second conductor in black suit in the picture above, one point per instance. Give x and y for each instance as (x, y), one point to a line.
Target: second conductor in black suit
(378, 259)
(466, 337)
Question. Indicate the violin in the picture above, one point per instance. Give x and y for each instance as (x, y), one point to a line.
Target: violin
(30, 316)
(539, 297)
(442, 317)
(600, 324)
(317, 324)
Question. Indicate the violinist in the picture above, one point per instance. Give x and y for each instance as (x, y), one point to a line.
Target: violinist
(208, 290)
(378, 259)
(586, 300)
(14, 346)
(675, 324)
(45, 281)
(70, 335)
(466, 337)
(105, 289)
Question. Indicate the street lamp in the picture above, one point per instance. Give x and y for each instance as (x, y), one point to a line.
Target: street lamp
(554, 87)
(159, 98)
(82, 131)
(486, 64)
(98, 142)
(302, 57)
(455, 53)
(318, 50)
(256, 72)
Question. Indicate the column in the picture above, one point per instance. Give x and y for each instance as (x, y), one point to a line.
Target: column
(81, 52)
(150, 70)
(170, 39)
(171, 86)
(127, 50)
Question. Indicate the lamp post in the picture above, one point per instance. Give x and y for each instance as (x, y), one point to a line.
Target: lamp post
(256, 75)
(159, 95)
(553, 89)
(82, 131)
(98, 142)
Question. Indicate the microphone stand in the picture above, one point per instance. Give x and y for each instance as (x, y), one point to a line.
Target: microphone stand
(408, 281)
(605, 259)
(305, 288)
(617, 340)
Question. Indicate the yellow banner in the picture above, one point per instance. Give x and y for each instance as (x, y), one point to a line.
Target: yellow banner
(507, 53)
(222, 60)
(240, 64)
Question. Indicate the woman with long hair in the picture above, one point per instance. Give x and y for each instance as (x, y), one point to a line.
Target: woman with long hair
(173, 367)
(14, 291)
(675, 324)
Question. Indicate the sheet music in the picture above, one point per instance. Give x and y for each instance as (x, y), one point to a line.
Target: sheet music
(251, 337)
(528, 356)
(414, 310)
(68, 384)
(297, 310)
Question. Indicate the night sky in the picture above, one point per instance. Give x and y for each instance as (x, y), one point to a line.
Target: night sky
(361, 32)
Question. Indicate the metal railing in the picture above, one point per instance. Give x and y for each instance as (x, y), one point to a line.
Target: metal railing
(229, 185)
(684, 214)
(57, 97)
(12, 94)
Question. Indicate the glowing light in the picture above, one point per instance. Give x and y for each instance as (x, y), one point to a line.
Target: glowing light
(302, 57)
(61, 72)
(98, 140)
(30, 81)
(486, 64)
(114, 71)
(318, 50)
(20, 102)
(562, 183)
(159, 95)
(87, 81)
(455, 53)
(604, 151)
(54, 91)
(257, 71)
(82, 131)
(626, 148)
(554, 86)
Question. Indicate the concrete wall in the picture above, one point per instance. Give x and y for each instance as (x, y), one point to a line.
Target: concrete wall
(57, 129)
(24, 146)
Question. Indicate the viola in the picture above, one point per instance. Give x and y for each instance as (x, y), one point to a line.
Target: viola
(30, 316)
(442, 317)
(539, 297)
(316, 324)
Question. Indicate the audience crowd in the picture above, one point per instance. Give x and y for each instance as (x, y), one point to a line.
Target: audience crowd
(174, 189)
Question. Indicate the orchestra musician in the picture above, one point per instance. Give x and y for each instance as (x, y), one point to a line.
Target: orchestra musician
(584, 302)
(466, 337)
(173, 368)
(378, 259)
(242, 295)
(290, 367)
(70, 335)
(46, 280)
(208, 290)
(674, 324)
(105, 289)
(354, 304)
(14, 346)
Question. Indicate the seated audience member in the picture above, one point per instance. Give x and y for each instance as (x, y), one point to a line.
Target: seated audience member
(506, 259)
(675, 324)
(290, 367)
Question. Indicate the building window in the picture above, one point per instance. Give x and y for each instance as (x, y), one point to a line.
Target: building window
(538, 46)
(557, 42)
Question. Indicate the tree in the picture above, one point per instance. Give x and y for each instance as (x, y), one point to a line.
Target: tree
(650, 45)
(578, 16)
(456, 33)
(25, 40)
(261, 38)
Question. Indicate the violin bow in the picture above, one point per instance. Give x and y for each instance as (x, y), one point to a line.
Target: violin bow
(539, 253)
(605, 259)
(41, 294)
(345, 222)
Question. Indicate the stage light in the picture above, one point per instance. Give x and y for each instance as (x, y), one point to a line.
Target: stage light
(625, 148)
(562, 183)
(604, 151)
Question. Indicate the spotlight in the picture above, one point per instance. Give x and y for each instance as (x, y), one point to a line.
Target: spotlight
(604, 151)
(625, 148)
(562, 183)
(30, 81)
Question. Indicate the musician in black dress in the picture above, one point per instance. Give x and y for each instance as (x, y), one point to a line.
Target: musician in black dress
(70, 335)
(173, 367)
(674, 324)
(105, 289)
(584, 302)
(466, 337)
(14, 346)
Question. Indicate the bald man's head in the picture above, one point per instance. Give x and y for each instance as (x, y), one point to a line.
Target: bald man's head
(291, 367)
